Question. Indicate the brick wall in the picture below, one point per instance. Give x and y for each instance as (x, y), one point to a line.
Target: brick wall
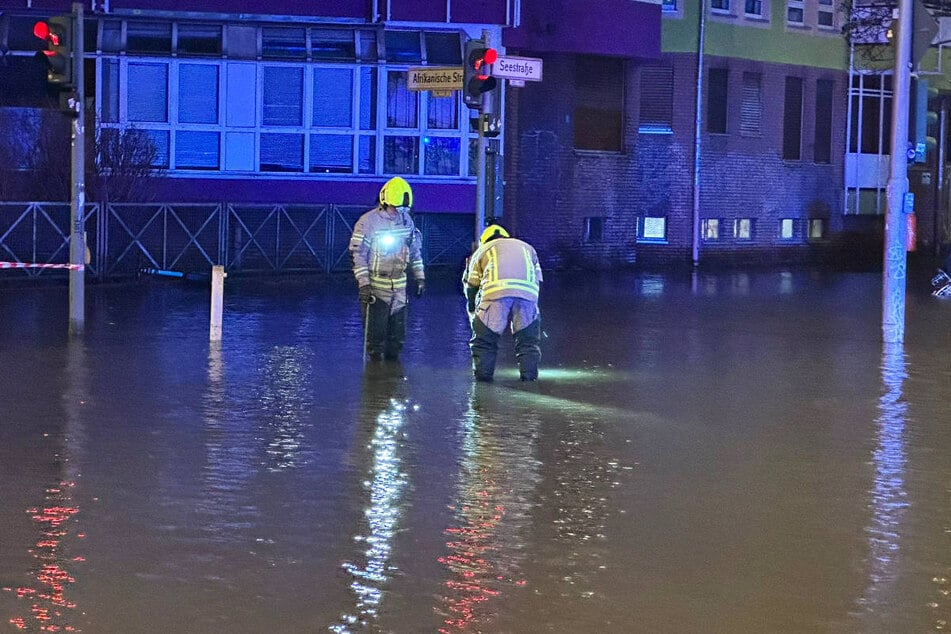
(551, 187)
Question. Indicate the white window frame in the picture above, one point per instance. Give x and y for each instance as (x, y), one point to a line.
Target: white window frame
(801, 6)
(642, 227)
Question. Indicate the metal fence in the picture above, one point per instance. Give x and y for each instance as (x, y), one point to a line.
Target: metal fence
(125, 239)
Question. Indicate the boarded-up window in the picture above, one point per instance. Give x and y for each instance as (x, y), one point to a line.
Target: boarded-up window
(599, 104)
(752, 107)
(717, 100)
(823, 137)
(656, 99)
(792, 119)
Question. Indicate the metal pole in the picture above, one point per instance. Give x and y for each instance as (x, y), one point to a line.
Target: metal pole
(939, 197)
(77, 210)
(480, 154)
(893, 283)
(698, 132)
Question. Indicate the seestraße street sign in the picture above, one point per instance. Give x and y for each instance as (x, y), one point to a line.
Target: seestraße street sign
(436, 78)
(519, 68)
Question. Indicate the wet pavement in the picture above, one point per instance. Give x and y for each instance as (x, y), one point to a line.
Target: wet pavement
(734, 452)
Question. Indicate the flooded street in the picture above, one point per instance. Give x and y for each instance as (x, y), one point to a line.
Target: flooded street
(732, 453)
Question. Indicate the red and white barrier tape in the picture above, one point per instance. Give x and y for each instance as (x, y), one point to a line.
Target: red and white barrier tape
(29, 265)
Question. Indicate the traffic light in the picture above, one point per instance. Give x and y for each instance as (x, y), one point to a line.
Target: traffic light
(58, 34)
(476, 79)
(926, 103)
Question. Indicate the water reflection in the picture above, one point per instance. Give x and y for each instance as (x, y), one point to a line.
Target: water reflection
(888, 497)
(287, 375)
(56, 520)
(383, 417)
(496, 481)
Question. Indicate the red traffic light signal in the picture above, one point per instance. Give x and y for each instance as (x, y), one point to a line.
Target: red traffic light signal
(57, 33)
(476, 78)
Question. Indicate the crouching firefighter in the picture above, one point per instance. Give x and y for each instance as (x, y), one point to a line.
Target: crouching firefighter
(385, 242)
(501, 285)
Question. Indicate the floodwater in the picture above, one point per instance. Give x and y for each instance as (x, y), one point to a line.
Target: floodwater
(734, 452)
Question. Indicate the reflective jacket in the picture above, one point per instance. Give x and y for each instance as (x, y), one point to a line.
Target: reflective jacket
(505, 267)
(383, 244)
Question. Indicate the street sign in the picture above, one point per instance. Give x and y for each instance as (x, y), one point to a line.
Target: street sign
(438, 78)
(520, 68)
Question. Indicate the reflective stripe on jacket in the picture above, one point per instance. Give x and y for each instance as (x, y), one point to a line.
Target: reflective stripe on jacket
(382, 246)
(505, 267)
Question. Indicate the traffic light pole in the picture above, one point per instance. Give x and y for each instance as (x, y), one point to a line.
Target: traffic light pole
(486, 109)
(896, 228)
(77, 237)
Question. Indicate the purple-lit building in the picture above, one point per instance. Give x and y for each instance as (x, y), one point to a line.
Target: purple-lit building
(291, 103)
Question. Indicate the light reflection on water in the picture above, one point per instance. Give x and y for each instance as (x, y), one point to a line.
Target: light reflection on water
(384, 490)
(888, 501)
(258, 486)
(488, 540)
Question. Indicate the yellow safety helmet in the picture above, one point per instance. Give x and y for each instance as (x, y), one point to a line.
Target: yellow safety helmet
(491, 232)
(397, 193)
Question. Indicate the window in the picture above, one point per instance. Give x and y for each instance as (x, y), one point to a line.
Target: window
(823, 133)
(283, 43)
(148, 101)
(196, 150)
(283, 95)
(332, 44)
(282, 152)
(599, 100)
(711, 229)
(333, 97)
(198, 93)
(826, 15)
(656, 100)
(340, 112)
(787, 229)
(653, 228)
(403, 47)
(717, 100)
(669, 6)
(443, 49)
(752, 107)
(792, 119)
(594, 229)
(743, 229)
(720, 6)
(754, 8)
(871, 97)
(795, 13)
(817, 228)
(148, 37)
(199, 39)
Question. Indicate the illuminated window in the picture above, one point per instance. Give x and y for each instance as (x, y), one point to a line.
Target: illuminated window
(817, 228)
(653, 228)
(787, 229)
(743, 229)
(711, 229)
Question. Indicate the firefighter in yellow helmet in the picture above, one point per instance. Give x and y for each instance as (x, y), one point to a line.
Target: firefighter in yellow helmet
(501, 285)
(384, 243)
